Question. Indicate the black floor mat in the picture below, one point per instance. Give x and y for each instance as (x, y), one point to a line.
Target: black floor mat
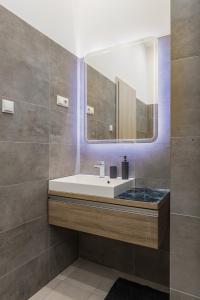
(127, 290)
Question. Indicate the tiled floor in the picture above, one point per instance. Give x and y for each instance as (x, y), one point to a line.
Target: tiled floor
(84, 280)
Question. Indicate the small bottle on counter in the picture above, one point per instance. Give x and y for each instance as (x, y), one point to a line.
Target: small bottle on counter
(113, 171)
(125, 168)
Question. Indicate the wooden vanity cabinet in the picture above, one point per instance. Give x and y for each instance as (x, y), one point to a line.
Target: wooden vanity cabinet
(136, 225)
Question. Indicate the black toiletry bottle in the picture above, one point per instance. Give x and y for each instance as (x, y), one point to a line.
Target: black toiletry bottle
(125, 168)
(113, 171)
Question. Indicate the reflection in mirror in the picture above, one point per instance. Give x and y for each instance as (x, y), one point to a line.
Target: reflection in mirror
(121, 93)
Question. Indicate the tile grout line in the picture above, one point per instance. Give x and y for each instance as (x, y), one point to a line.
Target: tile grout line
(183, 215)
(24, 223)
(38, 143)
(197, 297)
(24, 142)
(185, 57)
(184, 137)
(23, 182)
(30, 260)
(23, 102)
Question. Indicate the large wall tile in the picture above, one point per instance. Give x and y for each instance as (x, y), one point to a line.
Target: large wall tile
(154, 183)
(63, 63)
(63, 254)
(21, 81)
(185, 171)
(185, 28)
(185, 97)
(64, 89)
(30, 123)
(21, 203)
(62, 160)
(23, 282)
(25, 71)
(90, 155)
(63, 127)
(153, 161)
(185, 258)
(19, 245)
(34, 70)
(63, 77)
(152, 265)
(21, 162)
(175, 295)
(57, 235)
(111, 253)
(28, 43)
(185, 157)
(12, 27)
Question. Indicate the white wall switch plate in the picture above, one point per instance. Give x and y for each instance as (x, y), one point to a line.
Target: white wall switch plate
(8, 106)
(111, 128)
(90, 110)
(62, 101)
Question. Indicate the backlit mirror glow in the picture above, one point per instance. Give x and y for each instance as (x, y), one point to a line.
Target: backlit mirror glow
(121, 93)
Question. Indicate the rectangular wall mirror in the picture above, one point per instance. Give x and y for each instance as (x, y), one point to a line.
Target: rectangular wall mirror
(121, 93)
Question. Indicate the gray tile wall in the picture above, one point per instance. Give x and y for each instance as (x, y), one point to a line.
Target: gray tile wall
(150, 164)
(37, 142)
(185, 157)
(150, 264)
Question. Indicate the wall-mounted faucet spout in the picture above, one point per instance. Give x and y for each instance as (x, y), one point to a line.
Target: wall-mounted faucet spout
(101, 166)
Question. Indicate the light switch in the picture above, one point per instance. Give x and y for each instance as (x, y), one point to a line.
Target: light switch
(7, 106)
(111, 128)
(62, 101)
(90, 110)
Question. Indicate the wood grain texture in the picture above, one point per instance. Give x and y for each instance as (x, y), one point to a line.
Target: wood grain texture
(133, 228)
(117, 201)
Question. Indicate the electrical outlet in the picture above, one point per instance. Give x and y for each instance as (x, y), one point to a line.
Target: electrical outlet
(90, 110)
(62, 101)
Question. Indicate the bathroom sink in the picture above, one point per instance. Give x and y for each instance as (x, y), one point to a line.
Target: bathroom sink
(91, 185)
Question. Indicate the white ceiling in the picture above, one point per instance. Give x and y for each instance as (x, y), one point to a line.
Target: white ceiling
(82, 26)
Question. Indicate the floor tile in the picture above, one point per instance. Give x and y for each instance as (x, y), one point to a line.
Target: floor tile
(84, 280)
(96, 297)
(66, 291)
(64, 274)
(105, 286)
(46, 290)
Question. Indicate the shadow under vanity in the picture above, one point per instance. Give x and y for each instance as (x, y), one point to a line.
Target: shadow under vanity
(133, 215)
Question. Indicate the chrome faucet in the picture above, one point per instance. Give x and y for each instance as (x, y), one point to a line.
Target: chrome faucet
(101, 166)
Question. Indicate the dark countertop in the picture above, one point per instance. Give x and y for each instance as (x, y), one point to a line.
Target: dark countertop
(144, 195)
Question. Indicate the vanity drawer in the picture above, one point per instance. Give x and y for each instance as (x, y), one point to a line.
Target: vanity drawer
(129, 224)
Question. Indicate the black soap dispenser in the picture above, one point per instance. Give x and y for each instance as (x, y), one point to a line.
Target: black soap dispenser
(125, 168)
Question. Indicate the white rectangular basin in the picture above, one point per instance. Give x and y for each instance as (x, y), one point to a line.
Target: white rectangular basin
(91, 185)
